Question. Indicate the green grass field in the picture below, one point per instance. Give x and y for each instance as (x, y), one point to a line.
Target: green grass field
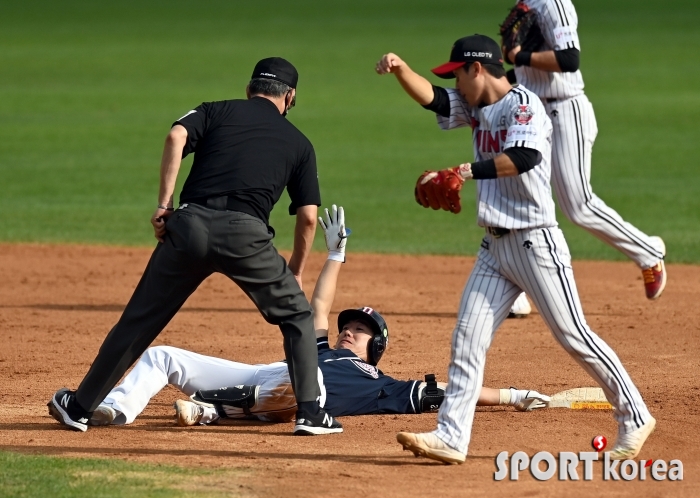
(89, 90)
(29, 476)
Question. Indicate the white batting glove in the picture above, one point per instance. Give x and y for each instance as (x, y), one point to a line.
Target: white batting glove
(335, 232)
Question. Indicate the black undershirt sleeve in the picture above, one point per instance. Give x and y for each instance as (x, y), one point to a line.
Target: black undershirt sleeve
(441, 102)
(524, 159)
(484, 170)
(510, 75)
(568, 60)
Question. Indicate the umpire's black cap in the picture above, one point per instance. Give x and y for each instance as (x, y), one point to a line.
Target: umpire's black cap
(278, 69)
(474, 48)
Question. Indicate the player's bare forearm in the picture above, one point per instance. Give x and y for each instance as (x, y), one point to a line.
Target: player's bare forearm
(545, 61)
(169, 168)
(489, 397)
(170, 163)
(304, 232)
(505, 166)
(415, 85)
(324, 294)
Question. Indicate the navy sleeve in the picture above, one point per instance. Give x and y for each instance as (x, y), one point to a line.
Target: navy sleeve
(322, 344)
(398, 396)
(196, 123)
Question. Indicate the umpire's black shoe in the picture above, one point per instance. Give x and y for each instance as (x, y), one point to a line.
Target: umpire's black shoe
(64, 408)
(315, 425)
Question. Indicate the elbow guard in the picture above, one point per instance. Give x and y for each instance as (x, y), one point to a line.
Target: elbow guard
(430, 396)
(523, 158)
(568, 60)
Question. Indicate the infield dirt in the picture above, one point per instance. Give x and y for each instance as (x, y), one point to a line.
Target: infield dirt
(58, 302)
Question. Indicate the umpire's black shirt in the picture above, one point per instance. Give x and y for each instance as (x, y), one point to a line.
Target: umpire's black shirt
(247, 151)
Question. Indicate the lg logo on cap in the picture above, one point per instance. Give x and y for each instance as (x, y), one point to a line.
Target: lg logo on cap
(478, 54)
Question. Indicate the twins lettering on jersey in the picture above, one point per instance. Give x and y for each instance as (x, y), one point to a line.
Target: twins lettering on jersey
(487, 142)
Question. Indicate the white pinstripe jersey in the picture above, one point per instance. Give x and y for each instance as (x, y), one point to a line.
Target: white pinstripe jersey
(558, 21)
(517, 120)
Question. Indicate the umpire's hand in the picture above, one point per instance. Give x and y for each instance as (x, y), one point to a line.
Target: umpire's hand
(158, 221)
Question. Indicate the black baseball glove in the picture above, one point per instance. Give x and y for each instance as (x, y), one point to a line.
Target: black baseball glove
(520, 28)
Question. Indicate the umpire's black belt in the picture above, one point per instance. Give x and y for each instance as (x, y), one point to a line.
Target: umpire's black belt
(497, 232)
(218, 203)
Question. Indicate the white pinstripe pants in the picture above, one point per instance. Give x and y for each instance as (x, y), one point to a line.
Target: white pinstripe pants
(573, 134)
(537, 262)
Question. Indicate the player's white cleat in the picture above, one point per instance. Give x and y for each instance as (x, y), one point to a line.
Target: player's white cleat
(531, 400)
(521, 307)
(103, 415)
(187, 413)
(427, 444)
(629, 445)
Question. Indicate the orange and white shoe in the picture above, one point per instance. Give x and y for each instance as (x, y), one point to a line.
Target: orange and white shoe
(629, 445)
(427, 444)
(655, 277)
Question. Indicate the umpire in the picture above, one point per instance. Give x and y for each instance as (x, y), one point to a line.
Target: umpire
(246, 153)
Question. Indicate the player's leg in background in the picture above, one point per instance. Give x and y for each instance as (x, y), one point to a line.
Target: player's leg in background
(574, 131)
(185, 370)
(485, 303)
(543, 269)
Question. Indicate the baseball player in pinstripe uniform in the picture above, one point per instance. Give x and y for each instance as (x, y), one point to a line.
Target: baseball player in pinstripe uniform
(552, 73)
(523, 249)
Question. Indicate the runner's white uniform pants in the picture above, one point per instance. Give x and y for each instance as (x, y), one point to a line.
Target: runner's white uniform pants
(538, 262)
(574, 131)
(189, 372)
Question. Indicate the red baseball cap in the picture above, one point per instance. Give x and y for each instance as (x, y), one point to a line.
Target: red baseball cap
(474, 48)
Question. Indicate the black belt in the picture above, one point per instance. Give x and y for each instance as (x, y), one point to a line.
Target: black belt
(497, 232)
(550, 100)
(218, 203)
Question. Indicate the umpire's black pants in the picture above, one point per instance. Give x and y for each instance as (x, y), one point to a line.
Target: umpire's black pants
(199, 242)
